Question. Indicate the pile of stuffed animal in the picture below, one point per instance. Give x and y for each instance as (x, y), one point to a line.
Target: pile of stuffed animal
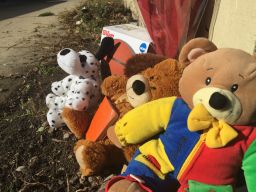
(186, 125)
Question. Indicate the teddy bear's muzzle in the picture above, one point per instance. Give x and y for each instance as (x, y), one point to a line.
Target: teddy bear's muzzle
(221, 103)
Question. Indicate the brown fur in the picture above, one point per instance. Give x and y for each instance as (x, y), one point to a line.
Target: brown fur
(140, 62)
(76, 121)
(163, 81)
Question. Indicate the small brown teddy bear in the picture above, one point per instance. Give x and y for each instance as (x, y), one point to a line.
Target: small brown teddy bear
(147, 77)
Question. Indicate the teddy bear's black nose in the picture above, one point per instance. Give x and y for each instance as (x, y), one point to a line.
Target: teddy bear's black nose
(138, 87)
(218, 101)
(64, 51)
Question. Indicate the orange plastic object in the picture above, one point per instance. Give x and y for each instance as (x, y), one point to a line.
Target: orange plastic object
(121, 54)
(104, 117)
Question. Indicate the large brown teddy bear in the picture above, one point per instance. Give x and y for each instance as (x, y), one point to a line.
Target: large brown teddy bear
(147, 77)
(206, 136)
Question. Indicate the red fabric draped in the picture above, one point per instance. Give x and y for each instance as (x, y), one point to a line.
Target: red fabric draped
(171, 23)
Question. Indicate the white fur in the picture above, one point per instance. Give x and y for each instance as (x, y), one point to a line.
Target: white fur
(79, 91)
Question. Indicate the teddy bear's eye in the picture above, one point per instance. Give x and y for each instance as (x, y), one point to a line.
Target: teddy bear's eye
(138, 90)
(208, 81)
(234, 87)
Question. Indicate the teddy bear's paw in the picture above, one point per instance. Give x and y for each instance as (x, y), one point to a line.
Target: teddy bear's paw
(91, 156)
(54, 118)
(119, 130)
(124, 185)
(76, 121)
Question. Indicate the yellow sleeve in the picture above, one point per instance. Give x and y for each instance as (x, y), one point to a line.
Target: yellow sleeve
(144, 121)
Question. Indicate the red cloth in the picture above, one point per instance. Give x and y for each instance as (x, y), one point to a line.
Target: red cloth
(227, 161)
(171, 22)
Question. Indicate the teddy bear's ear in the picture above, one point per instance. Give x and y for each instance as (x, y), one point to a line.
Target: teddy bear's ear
(114, 85)
(139, 62)
(195, 48)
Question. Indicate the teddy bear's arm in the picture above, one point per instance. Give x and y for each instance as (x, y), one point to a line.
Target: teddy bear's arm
(249, 167)
(144, 121)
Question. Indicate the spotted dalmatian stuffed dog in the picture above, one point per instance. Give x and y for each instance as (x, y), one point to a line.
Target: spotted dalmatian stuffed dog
(80, 90)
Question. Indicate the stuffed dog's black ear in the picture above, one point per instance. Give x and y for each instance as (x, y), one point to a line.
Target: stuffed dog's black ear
(106, 48)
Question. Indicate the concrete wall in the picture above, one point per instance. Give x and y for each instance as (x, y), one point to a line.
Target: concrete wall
(133, 6)
(234, 24)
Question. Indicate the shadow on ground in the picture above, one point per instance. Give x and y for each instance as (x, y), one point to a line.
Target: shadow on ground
(13, 8)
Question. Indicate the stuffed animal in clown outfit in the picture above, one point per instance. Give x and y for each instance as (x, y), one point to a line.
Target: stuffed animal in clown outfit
(202, 139)
(80, 90)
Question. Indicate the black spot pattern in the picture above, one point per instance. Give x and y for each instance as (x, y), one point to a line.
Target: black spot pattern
(82, 58)
(69, 79)
(64, 51)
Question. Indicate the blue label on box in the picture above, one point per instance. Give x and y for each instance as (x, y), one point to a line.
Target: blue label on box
(143, 47)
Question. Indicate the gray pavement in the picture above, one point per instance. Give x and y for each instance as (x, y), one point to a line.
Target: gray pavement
(18, 23)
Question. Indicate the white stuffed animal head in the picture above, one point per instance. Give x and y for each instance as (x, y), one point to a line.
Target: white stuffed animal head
(82, 63)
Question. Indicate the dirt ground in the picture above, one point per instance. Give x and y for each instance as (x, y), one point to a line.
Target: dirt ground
(32, 156)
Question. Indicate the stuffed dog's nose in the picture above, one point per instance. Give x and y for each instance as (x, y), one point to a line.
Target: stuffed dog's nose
(138, 87)
(218, 101)
(64, 51)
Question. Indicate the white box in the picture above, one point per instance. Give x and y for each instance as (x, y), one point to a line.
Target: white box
(136, 37)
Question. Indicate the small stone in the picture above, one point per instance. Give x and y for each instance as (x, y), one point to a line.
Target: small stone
(21, 169)
(70, 156)
(60, 182)
(33, 161)
(82, 180)
(91, 179)
(66, 135)
(41, 139)
(73, 180)
(3, 90)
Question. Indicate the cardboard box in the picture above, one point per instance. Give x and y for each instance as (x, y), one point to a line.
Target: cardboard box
(234, 24)
(129, 40)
